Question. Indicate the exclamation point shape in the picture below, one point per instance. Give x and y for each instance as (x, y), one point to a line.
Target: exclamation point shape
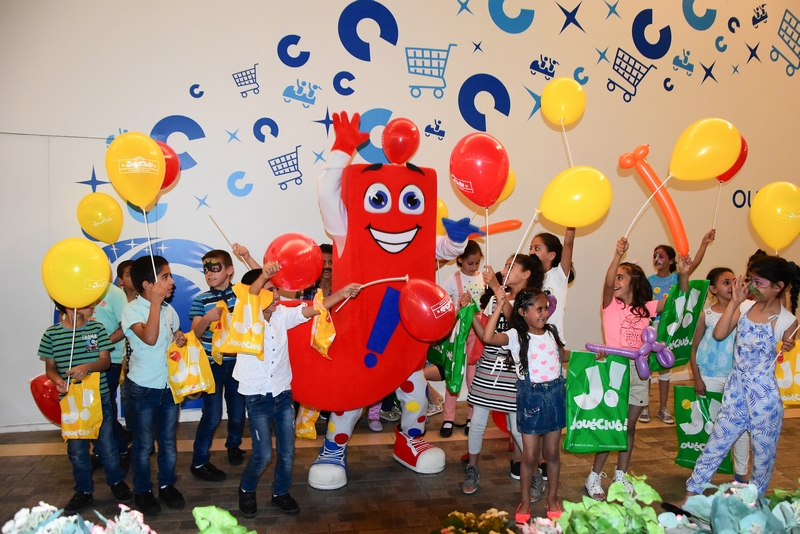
(615, 374)
(383, 328)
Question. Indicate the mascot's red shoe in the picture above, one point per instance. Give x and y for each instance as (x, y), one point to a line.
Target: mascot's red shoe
(417, 454)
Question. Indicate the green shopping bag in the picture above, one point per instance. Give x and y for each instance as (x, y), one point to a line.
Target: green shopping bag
(451, 353)
(694, 419)
(678, 321)
(597, 403)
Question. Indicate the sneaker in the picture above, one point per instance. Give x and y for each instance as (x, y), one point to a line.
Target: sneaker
(172, 497)
(644, 417)
(147, 503)
(666, 417)
(235, 456)
(594, 487)
(375, 425)
(447, 429)
(122, 492)
(417, 454)
(537, 486)
(78, 502)
(208, 472)
(466, 427)
(543, 467)
(286, 504)
(514, 469)
(470, 484)
(247, 503)
(125, 461)
(329, 470)
(434, 409)
(391, 415)
(619, 476)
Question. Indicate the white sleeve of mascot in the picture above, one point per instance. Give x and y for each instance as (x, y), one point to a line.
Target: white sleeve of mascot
(334, 212)
(447, 249)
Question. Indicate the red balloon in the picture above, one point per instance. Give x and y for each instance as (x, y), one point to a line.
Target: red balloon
(300, 259)
(500, 420)
(730, 173)
(479, 168)
(426, 310)
(172, 167)
(400, 140)
(46, 396)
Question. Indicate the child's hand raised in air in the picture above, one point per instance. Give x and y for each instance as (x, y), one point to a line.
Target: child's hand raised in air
(500, 296)
(622, 246)
(684, 263)
(710, 236)
(489, 278)
(241, 251)
(270, 268)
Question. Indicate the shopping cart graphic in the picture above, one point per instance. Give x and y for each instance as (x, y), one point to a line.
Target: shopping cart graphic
(246, 78)
(286, 164)
(429, 62)
(789, 32)
(632, 71)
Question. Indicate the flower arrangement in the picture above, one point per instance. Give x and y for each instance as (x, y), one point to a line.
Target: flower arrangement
(494, 522)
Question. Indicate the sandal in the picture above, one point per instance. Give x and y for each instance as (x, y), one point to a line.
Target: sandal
(554, 514)
(522, 518)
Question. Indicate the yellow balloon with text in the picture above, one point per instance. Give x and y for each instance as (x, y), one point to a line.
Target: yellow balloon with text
(135, 165)
(578, 196)
(75, 272)
(511, 183)
(706, 149)
(100, 216)
(563, 101)
(775, 214)
(441, 213)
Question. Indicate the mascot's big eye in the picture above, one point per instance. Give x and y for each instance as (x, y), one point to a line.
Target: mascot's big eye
(412, 201)
(377, 199)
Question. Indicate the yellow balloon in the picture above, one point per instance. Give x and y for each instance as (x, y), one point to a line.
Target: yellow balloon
(441, 213)
(75, 272)
(101, 217)
(135, 164)
(511, 183)
(705, 150)
(577, 197)
(775, 214)
(563, 101)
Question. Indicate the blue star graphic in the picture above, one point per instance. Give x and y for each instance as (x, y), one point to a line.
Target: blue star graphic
(612, 9)
(602, 56)
(709, 72)
(477, 46)
(94, 182)
(232, 135)
(201, 202)
(753, 52)
(464, 6)
(537, 102)
(571, 17)
(318, 156)
(735, 69)
(326, 121)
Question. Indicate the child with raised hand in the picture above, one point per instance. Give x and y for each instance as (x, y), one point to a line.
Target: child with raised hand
(558, 271)
(666, 276)
(712, 360)
(752, 400)
(627, 309)
(537, 352)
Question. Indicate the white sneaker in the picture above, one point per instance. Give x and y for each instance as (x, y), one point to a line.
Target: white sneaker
(593, 486)
(619, 476)
(434, 409)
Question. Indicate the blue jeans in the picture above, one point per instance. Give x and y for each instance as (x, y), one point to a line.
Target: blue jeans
(151, 411)
(112, 377)
(212, 412)
(78, 451)
(261, 411)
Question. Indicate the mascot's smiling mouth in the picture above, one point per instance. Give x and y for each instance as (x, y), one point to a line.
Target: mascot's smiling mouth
(393, 242)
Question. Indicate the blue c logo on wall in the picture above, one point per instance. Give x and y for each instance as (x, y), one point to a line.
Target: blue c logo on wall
(235, 190)
(337, 83)
(178, 123)
(258, 128)
(702, 22)
(518, 24)
(655, 50)
(355, 13)
(369, 120)
(289, 60)
(478, 83)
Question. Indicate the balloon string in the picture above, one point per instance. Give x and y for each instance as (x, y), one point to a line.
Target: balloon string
(375, 282)
(647, 203)
(486, 220)
(226, 239)
(150, 246)
(566, 143)
(72, 346)
(524, 237)
(714, 222)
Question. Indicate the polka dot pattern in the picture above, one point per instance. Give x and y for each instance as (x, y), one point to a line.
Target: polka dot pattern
(414, 432)
(407, 387)
(331, 427)
(341, 439)
(421, 419)
(412, 407)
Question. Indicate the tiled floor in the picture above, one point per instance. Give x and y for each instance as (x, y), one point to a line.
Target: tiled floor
(381, 497)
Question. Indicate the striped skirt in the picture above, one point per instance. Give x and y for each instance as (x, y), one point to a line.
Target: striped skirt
(495, 384)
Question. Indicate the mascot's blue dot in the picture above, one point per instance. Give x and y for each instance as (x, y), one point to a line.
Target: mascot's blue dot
(370, 360)
(414, 432)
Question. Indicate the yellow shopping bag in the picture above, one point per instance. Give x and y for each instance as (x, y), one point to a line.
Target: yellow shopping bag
(246, 332)
(304, 424)
(188, 369)
(81, 409)
(322, 329)
(219, 331)
(788, 374)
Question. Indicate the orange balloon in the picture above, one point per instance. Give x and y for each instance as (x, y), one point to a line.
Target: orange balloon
(496, 228)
